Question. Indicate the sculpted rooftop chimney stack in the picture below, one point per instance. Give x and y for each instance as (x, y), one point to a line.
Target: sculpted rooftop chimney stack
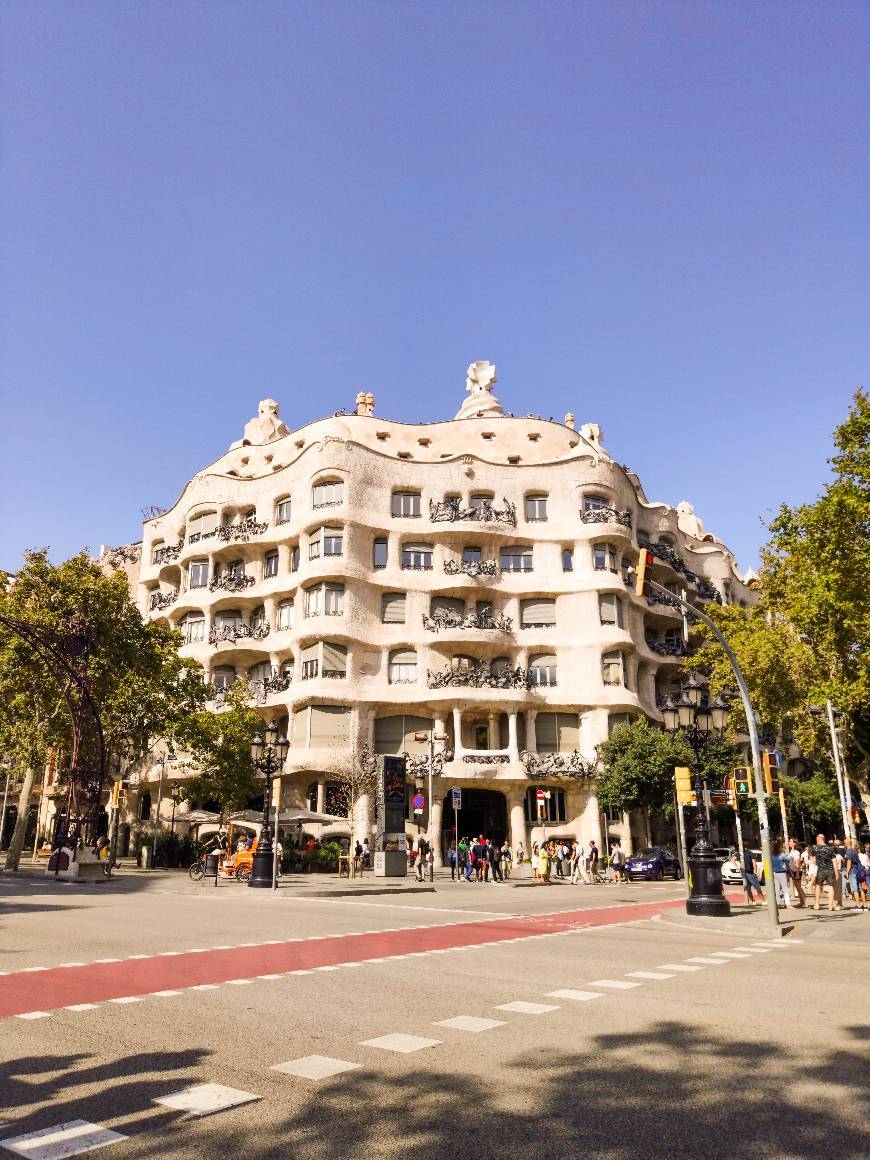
(481, 401)
(365, 403)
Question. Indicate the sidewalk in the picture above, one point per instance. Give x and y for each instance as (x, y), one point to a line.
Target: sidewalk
(752, 922)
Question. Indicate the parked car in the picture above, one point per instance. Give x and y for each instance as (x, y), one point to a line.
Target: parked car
(653, 862)
(731, 876)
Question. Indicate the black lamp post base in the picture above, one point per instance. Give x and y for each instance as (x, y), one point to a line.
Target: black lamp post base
(261, 871)
(711, 907)
(705, 887)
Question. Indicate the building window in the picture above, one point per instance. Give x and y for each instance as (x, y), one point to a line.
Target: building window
(201, 525)
(294, 558)
(449, 608)
(144, 807)
(481, 499)
(285, 615)
(236, 569)
(674, 637)
(516, 559)
(327, 493)
(471, 554)
(260, 672)
(551, 809)
(594, 503)
(193, 627)
(538, 612)
(395, 734)
(542, 669)
(614, 720)
(270, 565)
(314, 545)
(557, 732)
(330, 539)
(222, 677)
(282, 511)
(379, 553)
(258, 617)
(567, 560)
(613, 669)
(197, 576)
(417, 556)
(310, 662)
(324, 599)
(604, 558)
(610, 609)
(334, 660)
(406, 504)
(536, 508)
(321, 726)
(393, 608)
(402, 668)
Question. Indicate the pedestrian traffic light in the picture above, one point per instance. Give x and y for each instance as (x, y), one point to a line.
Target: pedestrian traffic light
(770, 769)
(644, 561)
(743, 781)
(683, 782)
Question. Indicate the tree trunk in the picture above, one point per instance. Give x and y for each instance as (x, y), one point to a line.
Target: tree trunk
(647, 827)
(13, 854)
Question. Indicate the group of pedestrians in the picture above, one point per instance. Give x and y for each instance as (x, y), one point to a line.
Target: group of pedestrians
(840, 869)
(480, 860)
(560, 859)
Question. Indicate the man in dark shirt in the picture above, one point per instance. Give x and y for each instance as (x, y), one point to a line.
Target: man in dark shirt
(479, 852)
(495, 860)
(852, 873)
(826, 871)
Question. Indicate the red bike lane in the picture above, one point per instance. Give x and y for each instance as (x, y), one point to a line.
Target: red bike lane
(27, 991)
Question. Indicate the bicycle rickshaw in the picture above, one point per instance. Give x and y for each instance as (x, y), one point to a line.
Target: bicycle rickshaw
(230, 864)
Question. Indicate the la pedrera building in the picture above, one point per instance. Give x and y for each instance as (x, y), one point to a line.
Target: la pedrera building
(374, 579)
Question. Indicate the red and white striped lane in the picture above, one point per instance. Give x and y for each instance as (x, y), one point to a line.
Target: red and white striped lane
(26, 991)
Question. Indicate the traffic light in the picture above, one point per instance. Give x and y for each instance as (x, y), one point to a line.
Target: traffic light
(743, 781)
(116, 795)
(683, 782)
(644, 561)
(770, 769)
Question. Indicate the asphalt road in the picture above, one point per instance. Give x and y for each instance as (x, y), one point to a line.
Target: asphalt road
(761, 1051)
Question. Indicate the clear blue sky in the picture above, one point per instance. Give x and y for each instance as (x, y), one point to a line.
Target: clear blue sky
(652, 214)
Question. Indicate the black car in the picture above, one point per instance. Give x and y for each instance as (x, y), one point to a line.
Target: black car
(653, 862)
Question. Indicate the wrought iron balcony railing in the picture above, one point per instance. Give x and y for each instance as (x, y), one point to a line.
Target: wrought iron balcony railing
(471, 567)
(230, 633)
(230, 582)
(242, 531)
(667, 648)
(606, 515)
(261, 689)
(486, 759)
(482, 620)
(169, 553)
(450, 510)
(558, 764)
(480, 676)
(162, 599)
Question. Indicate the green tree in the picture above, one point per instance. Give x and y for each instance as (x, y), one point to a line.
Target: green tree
(218, 748)
(814, 801)
(637, 769)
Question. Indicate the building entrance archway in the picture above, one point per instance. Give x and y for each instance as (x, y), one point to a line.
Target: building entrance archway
(484, 811)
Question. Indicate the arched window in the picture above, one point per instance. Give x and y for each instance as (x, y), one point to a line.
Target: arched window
(324, 600)
(285, 614)
(193, 627)
(327, 493)
(258, 617)
(542, 669)
(536, 507)
(145, 807)
(393, 608)
(613, 668)
(604, 557)
(538, 612)
(223, 676)
(516, 559)
(610, 609)
(594, 503)
(270, 565)
(417, 556)
(334, 659)
(282, 510)
(200, 525)
(402, 668)
(405, 504)
(197, 574)
(260, 672)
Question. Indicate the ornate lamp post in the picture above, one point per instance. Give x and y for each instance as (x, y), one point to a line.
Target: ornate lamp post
(698, 720)
(268, 755)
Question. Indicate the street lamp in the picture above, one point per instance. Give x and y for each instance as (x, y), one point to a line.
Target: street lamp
(268, 754)
(163, 760)
(175, 794)
(698, 720)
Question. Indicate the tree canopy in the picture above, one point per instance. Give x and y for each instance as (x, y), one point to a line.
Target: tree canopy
(218, 749)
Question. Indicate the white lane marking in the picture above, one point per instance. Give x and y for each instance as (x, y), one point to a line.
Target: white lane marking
(72, 964)
(523, 1008)
(677, 967)
(397, 1041)
(707, 962)
(469, 1023)
(754, 950)
(730, 955)
(128, 999)
(614, 984)
(164, 994)
(238, 982)
(34, 1015)
(107, 960)
(167, 954)
(575, 996)
(777, 944)
(484, 914)
(270, 976)
(315, 1066)
(81, 1007)
(23, 969)
(68, 1139)
(203, 987)
(329, 968)
(649, 975)
(204, 1098)
(129, 957)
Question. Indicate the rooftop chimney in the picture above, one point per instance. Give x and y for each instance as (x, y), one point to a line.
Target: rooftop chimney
(365, 403)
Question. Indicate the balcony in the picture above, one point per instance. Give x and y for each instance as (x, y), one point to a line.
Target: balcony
(708, 591)
(667, 648)
(480, 676)
(558, 765)
(168, 554)
(661, 598)
(240, 532)
(230, 633)
(230, 582)
(471, 567)
(486, 758)
(450, 511)
(261, 689)
(483, 620)
(606, 515)
(160, 600)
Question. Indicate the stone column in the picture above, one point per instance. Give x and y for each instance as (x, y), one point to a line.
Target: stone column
(362, 819)
(517, 820)
(321, 795)
(512, 737)
(457, 729)
(437, 808)
(492, 730)
(531, 739)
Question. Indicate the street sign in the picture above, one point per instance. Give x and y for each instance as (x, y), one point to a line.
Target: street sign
(720, 799)
(457, 797)
(419, 803)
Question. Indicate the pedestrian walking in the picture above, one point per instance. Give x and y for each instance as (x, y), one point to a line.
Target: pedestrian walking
(521, 854)
(451, 855)
(495, 861)
(826, 872)
(617, 862)
(854, 873)
(544, 865)
(592, 863)
(536, 860)
(779, 864)
(751, 879)
(578, 865)
(795, 866)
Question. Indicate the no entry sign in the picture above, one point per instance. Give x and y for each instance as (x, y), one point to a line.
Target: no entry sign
(419, 803)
